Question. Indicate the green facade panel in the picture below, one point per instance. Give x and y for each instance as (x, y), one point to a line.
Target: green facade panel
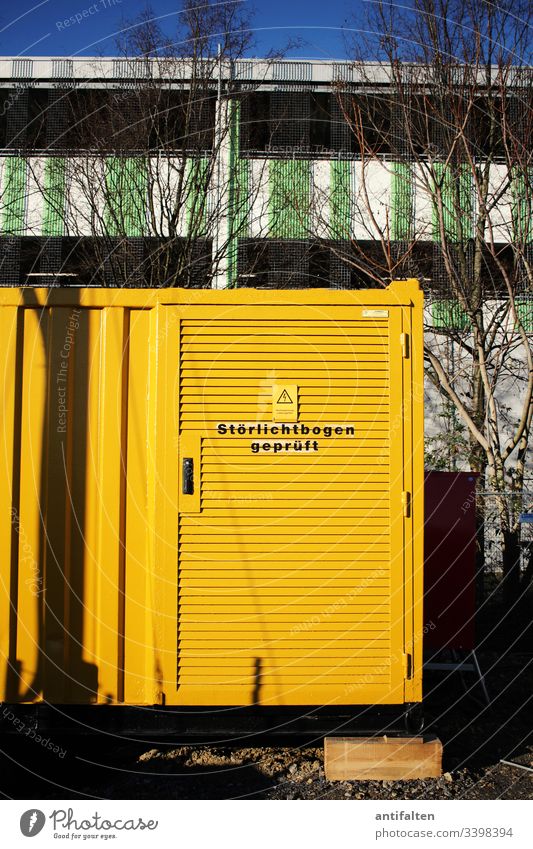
(524, 309)
(54, 196)
(239, 194)
(340, 202)
(289, 198)
(466, 197)
(456, 192)
(402, 203)
(522, 205)
(449, 315)
(197, 197)
(14, 192)
(126, 196)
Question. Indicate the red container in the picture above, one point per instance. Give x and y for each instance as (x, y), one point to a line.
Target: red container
(449, 560)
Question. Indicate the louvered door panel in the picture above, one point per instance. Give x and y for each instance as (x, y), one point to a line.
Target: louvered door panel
(289, 574)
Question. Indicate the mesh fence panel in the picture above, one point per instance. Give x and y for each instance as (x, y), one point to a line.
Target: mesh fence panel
(10, 261)
(17, 120)
(56, 117)
(488, 506)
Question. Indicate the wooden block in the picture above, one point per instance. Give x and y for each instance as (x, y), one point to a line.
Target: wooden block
(382, 758)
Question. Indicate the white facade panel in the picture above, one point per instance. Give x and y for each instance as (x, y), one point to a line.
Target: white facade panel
(371, 200)
(35, 195)
(423, 205)
(85, 201)
(259, 198)
(320, 183)
(500, 205)
(167, 180)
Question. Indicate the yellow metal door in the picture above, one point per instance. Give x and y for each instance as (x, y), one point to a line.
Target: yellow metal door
(291, 564)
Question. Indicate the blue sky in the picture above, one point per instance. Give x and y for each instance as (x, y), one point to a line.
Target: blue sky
(41, 27)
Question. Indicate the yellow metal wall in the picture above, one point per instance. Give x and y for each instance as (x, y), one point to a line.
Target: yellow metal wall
(283, 580)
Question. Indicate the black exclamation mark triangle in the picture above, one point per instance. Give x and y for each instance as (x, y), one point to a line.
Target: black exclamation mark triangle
(284, 398)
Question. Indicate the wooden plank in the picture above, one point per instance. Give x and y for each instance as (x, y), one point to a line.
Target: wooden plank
(382, 758)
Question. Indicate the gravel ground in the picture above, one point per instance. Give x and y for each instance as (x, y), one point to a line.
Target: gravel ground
(475, 738)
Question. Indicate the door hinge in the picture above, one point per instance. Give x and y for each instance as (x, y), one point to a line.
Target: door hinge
(404, 339)
(407, 665)
(406, 503)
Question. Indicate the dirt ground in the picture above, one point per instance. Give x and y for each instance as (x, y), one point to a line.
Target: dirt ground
(475, 738)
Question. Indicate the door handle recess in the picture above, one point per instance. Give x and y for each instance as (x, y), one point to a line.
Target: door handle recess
(188, 476)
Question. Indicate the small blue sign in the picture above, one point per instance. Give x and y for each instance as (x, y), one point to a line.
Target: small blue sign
(526, 517)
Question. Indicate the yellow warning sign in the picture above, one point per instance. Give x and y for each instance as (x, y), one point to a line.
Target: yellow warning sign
(285, 403)
(285, 398)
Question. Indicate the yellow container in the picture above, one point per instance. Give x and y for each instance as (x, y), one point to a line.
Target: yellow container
(211, 498)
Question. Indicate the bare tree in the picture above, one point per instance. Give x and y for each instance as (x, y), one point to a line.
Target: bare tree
(451, 125)
(154, 190)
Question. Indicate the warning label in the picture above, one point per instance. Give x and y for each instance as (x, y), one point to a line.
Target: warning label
(285, 398)
(285, 403)
(285, 446)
